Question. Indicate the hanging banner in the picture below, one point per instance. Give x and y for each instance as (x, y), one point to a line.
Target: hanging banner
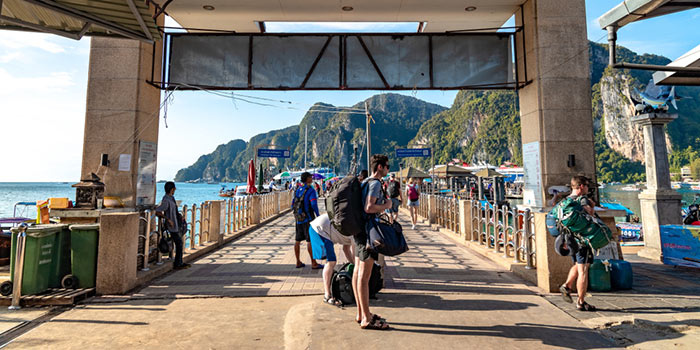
(532, 188)
(338, 61)
(146, 176)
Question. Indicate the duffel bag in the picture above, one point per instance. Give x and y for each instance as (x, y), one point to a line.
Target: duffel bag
(385, 238)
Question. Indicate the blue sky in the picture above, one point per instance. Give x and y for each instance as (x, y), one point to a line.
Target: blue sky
(43, 81)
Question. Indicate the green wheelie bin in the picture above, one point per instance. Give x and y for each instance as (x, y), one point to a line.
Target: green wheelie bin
(83, 241)
(61, 260)
(39, 255)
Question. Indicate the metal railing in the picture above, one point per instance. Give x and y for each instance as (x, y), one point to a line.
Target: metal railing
(504, 229)
(238, 215)
(151, 231)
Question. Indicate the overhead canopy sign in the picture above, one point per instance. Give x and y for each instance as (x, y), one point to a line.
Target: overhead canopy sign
(273, 153)
(412, 152)
(339, 61)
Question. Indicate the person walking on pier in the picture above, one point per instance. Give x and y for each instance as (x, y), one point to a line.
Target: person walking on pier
(394, 190)
(374, 202)
(323, 236)
(584, 256)
(168, 210)
(363, 175)
(305, 208)
(413, 191)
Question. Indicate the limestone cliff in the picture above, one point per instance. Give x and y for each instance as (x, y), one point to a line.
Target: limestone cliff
(617, 111)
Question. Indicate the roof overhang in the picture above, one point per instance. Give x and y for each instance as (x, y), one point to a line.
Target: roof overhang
(133, 19)
(691, 60)
(245, 16)
(630, 11)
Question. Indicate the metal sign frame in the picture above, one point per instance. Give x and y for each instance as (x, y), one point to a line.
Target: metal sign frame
(413, 152)
(273, 153)
(341, 41)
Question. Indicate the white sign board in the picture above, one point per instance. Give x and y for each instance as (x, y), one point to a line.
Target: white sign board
(146, 181)
(532, 191)
(125, 162)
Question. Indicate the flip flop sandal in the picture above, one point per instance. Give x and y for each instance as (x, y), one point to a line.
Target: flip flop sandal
(566, 293)
(375, 317)
(317, 267)
(377, 325)
(585, 307)
(332, 301)
(300, 266)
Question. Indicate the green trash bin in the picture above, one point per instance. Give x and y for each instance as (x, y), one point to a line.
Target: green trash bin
(61, 254)
(38, 259)
(83, 240)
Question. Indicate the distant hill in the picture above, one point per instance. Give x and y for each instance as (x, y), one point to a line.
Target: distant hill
(397, 117)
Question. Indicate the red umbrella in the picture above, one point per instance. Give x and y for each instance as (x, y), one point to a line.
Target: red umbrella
(251, 178)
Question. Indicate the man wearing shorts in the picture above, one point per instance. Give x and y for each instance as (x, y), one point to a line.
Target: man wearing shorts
(307, 194)
(375, 202)
(394, 190)
(323, 236)
(584, 257)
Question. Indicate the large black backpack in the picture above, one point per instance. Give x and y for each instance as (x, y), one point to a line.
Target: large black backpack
(394, 189)
(345, 208)
(341, 283)
(299, 208)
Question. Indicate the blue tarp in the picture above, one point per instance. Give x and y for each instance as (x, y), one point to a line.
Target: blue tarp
(616, 206)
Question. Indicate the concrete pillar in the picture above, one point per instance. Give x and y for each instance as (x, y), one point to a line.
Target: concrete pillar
(555, 107)
(660, 204)
(552, 268)
(432, 209)
(117, 253)
(122, 117)
(255, 210)
(465, 219)
(217, 216)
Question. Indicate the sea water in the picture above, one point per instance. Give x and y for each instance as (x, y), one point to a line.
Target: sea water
(13, 192)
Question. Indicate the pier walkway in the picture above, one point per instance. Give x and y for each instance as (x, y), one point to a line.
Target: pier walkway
(438, 295)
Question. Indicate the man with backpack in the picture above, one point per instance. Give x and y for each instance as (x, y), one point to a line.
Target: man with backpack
(375, 202)
(584, 256)
(394, 189)
(305, 209)
(168, 211)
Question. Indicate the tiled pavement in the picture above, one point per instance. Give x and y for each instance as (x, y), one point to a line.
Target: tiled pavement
(262, 263)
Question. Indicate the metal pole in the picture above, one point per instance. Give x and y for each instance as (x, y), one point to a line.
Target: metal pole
(306, 135)
(528, 242)
(19, 267)
(612, 37)
(369, 140)
(147, 241)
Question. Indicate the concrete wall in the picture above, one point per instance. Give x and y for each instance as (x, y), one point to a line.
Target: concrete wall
(121, 110)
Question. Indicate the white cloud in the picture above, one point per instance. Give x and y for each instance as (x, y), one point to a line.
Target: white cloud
(53, 82)
(23, 40)
(8, 57)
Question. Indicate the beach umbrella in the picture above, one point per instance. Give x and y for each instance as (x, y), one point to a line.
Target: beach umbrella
(317, 177)
(260, 179)
(251, 178)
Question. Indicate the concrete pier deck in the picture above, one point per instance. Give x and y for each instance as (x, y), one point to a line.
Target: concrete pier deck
(249, 295)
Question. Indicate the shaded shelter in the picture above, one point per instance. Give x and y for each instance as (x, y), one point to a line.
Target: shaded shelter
(412, 172)
(497, 191)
